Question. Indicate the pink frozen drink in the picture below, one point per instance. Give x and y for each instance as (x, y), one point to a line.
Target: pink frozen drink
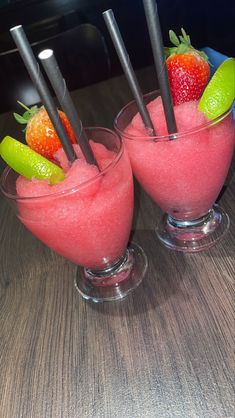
(87, 217)
(185, 172)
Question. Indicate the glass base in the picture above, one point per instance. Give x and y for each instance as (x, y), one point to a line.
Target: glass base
(195, 235)
(116, 281)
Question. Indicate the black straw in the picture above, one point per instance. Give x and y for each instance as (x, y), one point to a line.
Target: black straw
(58, 83)
(32, 66)
(127, 68)
(155, 35)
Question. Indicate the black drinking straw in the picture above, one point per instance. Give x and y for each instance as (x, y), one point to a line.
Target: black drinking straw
(127, 68)
(155, 35)
(32, 66)
(58, 83)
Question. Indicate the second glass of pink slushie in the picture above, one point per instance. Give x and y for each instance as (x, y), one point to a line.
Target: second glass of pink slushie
(183, 173)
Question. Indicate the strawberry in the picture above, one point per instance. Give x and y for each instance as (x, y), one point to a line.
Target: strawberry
(188, 69)
(40, 134)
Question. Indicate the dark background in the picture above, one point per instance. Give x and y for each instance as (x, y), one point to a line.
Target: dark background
(209, 23)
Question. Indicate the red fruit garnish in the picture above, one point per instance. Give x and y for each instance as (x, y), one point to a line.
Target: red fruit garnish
(40, 134)
(188, 69)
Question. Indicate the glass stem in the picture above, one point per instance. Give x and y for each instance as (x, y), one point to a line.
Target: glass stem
(182, 223)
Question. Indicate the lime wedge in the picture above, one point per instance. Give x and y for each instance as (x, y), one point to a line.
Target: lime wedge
(219, 93)
(29, 163)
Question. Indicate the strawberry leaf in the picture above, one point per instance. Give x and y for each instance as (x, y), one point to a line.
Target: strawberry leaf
(173, 38)
(204, 56)
(182, 48)
(182, 44)
(169, 51)
(185, 37)
(33, 110)
(27, 115)
(19, 118)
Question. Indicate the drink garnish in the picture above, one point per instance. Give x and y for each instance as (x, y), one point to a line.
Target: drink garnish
(188, 69)
(219, 94)
(29, 163)
(40, 133)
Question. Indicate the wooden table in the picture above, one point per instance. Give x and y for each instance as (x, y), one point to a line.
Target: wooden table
(165, 351)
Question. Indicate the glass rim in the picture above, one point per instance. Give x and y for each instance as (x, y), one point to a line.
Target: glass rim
(69, 190)
(167, 137)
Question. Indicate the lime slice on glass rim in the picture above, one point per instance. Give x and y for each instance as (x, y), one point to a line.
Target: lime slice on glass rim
(28, 163)
(219, 93)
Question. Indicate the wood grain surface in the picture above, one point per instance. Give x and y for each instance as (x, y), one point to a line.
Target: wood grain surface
(166, 351)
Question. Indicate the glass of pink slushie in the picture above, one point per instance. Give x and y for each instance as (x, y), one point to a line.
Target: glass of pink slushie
(87, 217)
(183, 173)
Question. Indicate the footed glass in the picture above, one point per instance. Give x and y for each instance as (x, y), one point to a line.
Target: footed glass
(86, 221)
(183, 173)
